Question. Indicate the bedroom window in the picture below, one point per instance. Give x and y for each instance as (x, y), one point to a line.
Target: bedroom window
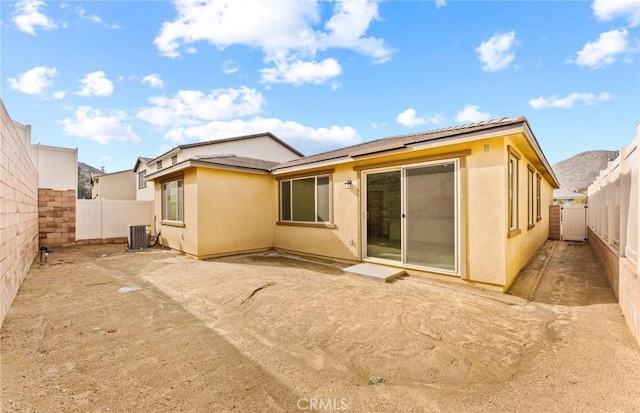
(172, 200)
(142, 179)
(306, 199)
(513, 193)
(538, 198)
(531, 198)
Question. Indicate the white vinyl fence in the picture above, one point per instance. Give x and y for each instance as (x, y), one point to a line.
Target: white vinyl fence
(102, 218)
(613, 203)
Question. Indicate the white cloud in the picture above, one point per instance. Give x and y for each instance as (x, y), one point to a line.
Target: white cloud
(192, 115)
(441, 3)
(293, 36)
(27, 16)
(299, 72)
(58, 95)
(81, 12)
(34, 81)
(95, 84)
(603, 51)
(229, 67)
(567, 102)
(471, 114)
(100, 126)
(496, 53)
(409, 119)
(154, 80)
(193, 106)
(607, 10)
(286, 130)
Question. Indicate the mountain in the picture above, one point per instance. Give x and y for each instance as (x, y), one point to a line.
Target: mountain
(579, 171)
(84, 179)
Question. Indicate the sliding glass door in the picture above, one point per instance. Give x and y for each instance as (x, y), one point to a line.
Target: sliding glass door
(384, 231)
(412, 215)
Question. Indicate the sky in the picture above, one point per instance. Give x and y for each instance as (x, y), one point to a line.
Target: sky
(122, 79)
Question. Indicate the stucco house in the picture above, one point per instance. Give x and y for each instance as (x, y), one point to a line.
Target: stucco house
(470, 202)
(144, 192)
(115, 185)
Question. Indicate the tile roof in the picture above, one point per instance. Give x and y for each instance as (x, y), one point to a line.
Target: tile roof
(235, 161)
(396, 142)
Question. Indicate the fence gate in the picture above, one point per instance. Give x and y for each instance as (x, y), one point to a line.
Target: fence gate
(573, 222)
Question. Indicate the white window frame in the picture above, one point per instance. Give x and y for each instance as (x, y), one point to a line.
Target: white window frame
(179, 201)
(458, 236)
(538, 198)
(315, 197)
(142, 179)
(513, 193)
(531, 198)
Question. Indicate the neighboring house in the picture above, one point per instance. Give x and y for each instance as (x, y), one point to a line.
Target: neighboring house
(469, 202)
(564, 197)
(260, 146)
(144, 192)
(116, 185)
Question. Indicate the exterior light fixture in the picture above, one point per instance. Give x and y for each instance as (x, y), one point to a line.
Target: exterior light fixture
(347, 184)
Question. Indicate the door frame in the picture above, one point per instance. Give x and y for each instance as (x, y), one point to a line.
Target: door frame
(458, 271)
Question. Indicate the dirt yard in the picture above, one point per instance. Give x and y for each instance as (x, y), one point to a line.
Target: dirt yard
(267, 332)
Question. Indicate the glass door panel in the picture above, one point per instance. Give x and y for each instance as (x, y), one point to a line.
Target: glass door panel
(430, 233)
(384, 211)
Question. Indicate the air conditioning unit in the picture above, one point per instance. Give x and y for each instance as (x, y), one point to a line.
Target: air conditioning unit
(137, 237)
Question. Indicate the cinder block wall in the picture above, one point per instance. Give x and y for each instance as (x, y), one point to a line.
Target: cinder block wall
(57, 217)
(18, 209)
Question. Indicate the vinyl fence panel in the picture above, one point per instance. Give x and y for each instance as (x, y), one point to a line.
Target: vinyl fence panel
(102, 218)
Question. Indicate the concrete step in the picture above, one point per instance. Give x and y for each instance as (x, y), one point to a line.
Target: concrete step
(378, 272)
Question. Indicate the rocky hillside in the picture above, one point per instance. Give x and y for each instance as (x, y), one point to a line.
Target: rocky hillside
(579, 171)
(84, 179)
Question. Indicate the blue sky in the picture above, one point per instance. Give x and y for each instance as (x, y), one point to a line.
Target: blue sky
(122, 79)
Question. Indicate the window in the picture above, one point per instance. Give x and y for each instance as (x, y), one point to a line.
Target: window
(172, 195)
(538, 198)
(142, 180)
(305, 199)
(531, 198)
(174, 159)
(159, 165)
(513, 193)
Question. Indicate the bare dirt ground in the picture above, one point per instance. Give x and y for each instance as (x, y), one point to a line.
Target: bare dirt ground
(267, 332)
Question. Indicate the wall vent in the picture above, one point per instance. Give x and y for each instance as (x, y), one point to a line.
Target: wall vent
(137, 237)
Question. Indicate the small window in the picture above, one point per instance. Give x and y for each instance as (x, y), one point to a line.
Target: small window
(174, 159)
(306, 199)
(513, 194)
(172, 200)
(142, 180)
(159, 165)
(531, 198)
(538, 198)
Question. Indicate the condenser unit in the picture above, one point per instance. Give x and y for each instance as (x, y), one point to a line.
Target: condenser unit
(137, 237)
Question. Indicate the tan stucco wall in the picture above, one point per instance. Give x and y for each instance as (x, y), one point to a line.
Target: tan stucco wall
(146, 193)
(224, 212)
(18, 209)
(482, 194)
(327, 242)
(117, 186)
(235, 212)
(520, 248)
(182, 238)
